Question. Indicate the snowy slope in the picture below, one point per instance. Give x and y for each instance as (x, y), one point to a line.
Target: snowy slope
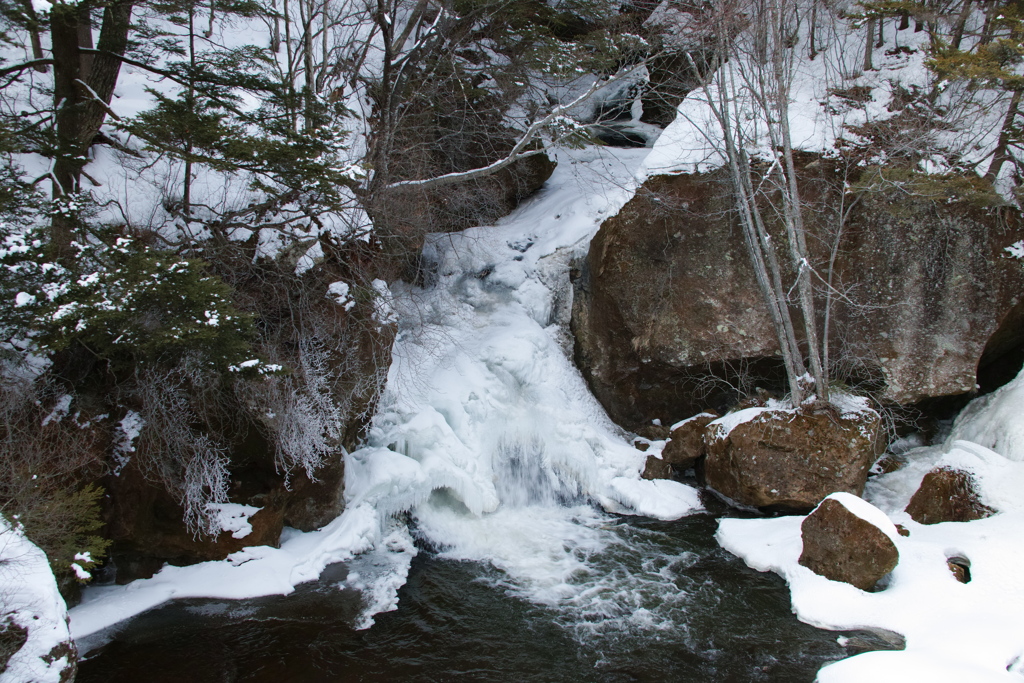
(29, 599)
(954, 631)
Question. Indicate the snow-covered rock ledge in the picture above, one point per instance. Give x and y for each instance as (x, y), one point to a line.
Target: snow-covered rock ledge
(30, 601)
(954, 631)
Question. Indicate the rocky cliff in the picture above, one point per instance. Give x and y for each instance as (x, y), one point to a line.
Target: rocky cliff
(668, 317)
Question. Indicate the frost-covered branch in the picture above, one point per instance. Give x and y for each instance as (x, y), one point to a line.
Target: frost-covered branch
(519, 150)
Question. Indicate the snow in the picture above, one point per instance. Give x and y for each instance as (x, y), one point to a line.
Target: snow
(60, 410)
(30, 600)
(953, 631)
(721, 428)
(994, 421)
(232, 518)
(339, 292)
(128, 430)
(251, 572)
(819, 115)
(866, 511)
(679, 424)
(849, 406)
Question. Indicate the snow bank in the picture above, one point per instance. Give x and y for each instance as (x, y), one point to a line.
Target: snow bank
(30, 600)
(251, 572)
(954, 631)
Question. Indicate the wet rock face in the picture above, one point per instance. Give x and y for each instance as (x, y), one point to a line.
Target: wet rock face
(667, 298)
(790, 460)
(841, 546)
(947, 495)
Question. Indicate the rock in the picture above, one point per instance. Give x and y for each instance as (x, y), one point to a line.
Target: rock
(841, 545)
(415, 211)
(147, 529)
(654, 432)
(960, 568)
(656, 468)
(667, 315)
(764, 457)
(947, 495)
(687, 444)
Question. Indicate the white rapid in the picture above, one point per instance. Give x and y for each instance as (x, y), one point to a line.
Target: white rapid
(486, 432)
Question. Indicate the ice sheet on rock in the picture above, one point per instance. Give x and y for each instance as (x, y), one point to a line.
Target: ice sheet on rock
(659, 498)
(994, 421)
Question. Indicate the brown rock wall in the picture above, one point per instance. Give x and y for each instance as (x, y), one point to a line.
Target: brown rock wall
(668, 318)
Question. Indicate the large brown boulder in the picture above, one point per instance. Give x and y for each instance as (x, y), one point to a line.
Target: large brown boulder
(667, 314)
(841, 545)
(947, 495)
(686, 444)
(764, 457)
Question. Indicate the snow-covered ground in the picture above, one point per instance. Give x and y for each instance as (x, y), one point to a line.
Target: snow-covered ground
(486, 431)
(29, 600)
(953, 631)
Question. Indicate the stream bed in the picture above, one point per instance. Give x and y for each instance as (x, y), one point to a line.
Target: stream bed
(705, 616)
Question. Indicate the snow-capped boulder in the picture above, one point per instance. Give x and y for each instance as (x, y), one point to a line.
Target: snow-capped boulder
(30, 603)
(947, 494)
(786, 458)
(847, 539)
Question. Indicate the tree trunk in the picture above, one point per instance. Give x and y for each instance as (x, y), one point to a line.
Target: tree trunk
(85, 40)
(80, 105)
(67, 164)
(869, 45)
(961, 22)
(1002, 152)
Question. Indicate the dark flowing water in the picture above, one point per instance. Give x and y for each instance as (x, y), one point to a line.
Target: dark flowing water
(456, 621)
